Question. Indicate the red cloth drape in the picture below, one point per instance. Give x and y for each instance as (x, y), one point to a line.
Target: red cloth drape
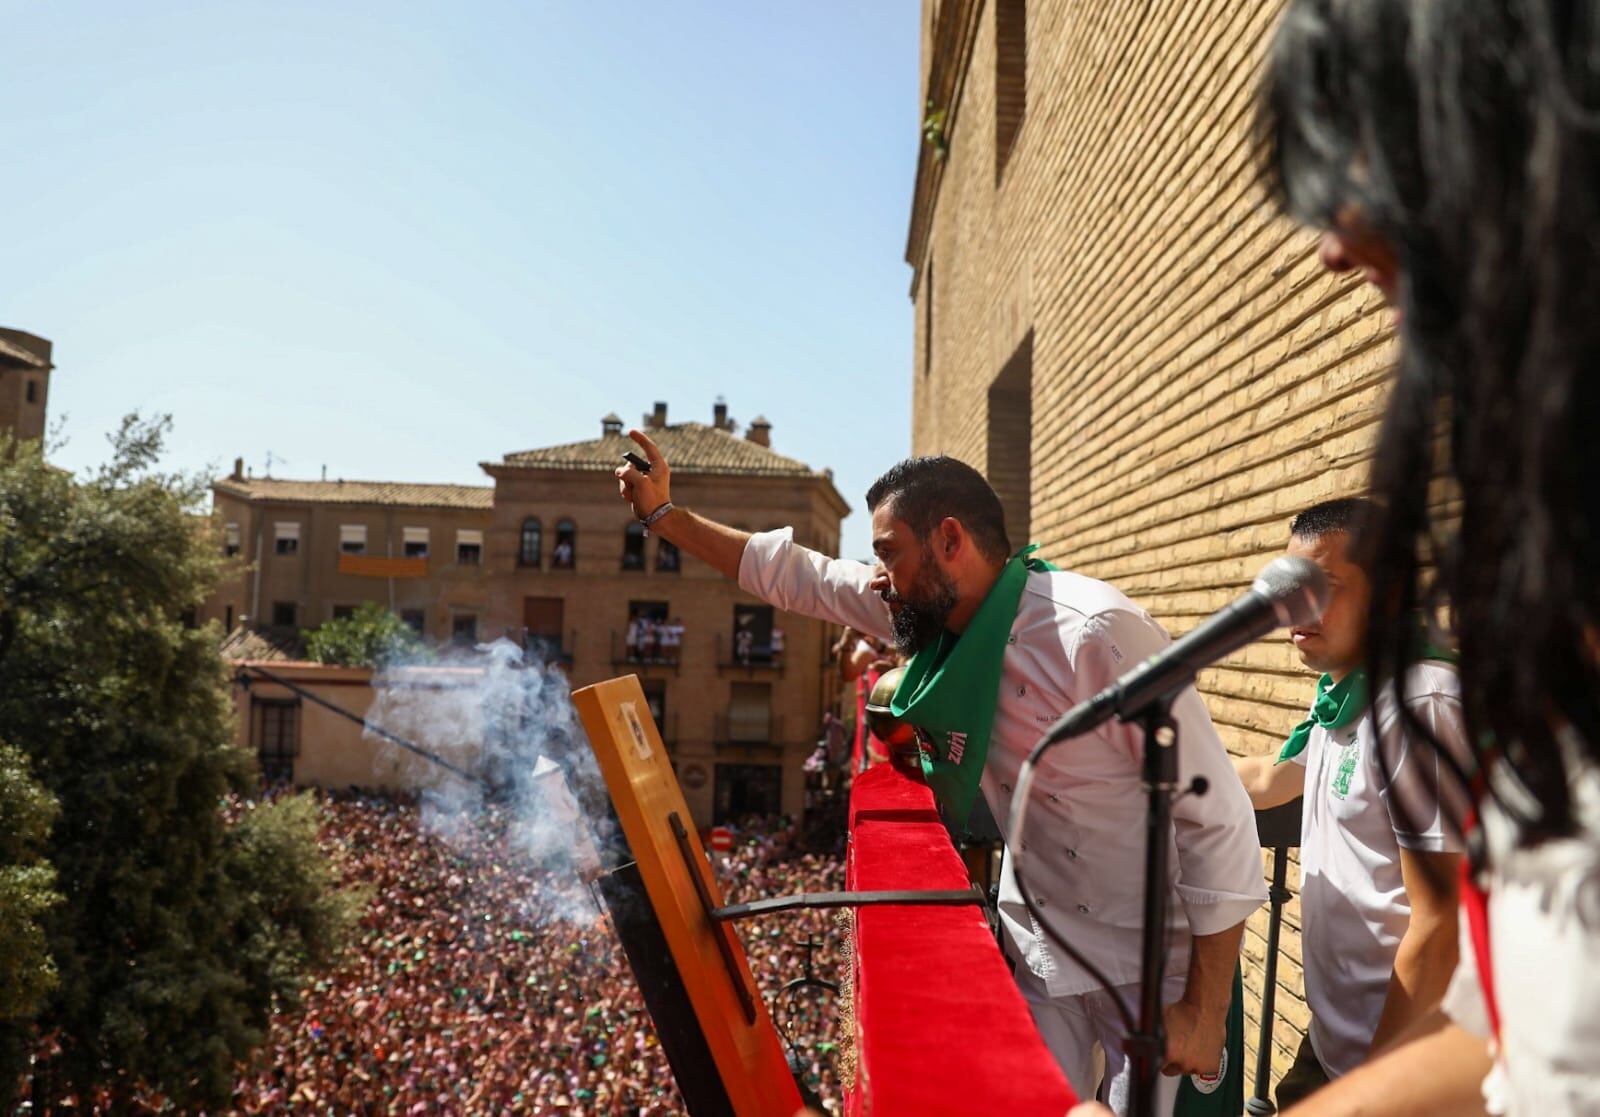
(940, 1025)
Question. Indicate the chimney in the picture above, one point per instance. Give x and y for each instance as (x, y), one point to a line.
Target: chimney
(610, 425)
(760, 431)
(719, 414)
(238, 470)
(657, 418)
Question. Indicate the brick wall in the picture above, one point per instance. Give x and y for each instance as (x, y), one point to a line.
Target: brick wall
(1195, 376)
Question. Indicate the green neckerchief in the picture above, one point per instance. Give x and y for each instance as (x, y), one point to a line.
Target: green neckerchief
(1339, 704)
(951, 689)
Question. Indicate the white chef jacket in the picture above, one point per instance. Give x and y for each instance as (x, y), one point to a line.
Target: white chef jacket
(1085, 842)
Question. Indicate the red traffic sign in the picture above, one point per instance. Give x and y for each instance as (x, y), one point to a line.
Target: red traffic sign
(721, 839)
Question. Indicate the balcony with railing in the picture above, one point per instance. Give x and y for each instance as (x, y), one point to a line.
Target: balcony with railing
(655, 655)
(546, 648)
(752, 659)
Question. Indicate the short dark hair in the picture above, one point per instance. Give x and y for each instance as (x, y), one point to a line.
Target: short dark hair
(1349, 514)
(923, 491)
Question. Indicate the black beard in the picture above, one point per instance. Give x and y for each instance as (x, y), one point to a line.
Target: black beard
(920, 620)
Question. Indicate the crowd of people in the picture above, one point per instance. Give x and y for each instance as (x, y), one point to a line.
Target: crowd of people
(479, 982)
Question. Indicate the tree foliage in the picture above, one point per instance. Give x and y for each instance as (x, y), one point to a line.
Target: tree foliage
(371, 636)
(171, 938)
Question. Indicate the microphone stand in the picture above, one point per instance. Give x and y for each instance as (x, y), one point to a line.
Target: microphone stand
(1148, 1045)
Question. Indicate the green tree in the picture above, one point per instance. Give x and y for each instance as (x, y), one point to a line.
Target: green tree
(27, 892)
(371, 636)
(172, 938)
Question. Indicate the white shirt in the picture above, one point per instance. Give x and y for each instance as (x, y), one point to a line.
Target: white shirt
(1085, 841)
(1356, 820)
(1544, 926)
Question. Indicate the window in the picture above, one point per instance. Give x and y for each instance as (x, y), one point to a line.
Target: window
(469, 547)
(230, 540)
(414, 540)
(927, 321)
(633, 547)
(283, 614)
(464, 628)
(668, 561)
(750, 714)
(352, 539)
(227, 618)
(277, 739)
(532, 536)
(33, 391)
(414, 619)
(1009, 462)
(543, 619)
(343, 612)
(652, 637)
(742, 790)
(286, 538)
(1010, 78)
(565, 555)
(752, 633)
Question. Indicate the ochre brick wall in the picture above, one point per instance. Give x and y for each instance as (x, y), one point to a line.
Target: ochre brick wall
(1196, 377)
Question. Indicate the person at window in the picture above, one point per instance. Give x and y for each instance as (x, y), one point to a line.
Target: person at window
(630, 639)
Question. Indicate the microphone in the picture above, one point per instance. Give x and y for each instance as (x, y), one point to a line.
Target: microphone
(1289, 592)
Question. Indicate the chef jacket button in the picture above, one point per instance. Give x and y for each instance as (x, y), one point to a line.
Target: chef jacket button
(1012, 639)
(1038, 901)
(1054, 798)
(1084, 908)
(1072, 855)
(1022, 691)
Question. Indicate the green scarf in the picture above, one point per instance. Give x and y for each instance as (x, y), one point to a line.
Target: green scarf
(951, 689)
(1337, 705)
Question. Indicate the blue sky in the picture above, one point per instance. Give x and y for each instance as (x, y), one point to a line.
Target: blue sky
(398, 239)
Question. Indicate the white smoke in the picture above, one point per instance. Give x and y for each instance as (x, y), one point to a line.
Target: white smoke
(510, 721)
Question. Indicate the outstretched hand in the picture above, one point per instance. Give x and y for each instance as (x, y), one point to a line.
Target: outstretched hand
(645, 491)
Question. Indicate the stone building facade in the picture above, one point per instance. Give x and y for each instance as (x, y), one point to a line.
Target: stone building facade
(311, 551)
(1155, 372)
(549, 557)
(738, 709)
(24, 384)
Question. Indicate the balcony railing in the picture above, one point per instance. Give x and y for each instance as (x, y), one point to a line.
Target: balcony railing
(750, 660)
(550, 649)
(622, 655)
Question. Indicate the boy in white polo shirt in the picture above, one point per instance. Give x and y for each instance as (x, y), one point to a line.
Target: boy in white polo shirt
(1378, 858)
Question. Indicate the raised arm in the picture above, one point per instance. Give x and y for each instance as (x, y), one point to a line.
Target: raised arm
(769, 565)
(719, 545)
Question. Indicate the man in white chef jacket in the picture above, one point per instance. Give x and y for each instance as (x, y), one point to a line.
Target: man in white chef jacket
(939, 537)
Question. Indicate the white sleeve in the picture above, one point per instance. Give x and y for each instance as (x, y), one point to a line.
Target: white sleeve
(797, 579)
(1417, 793)
(1219, 856)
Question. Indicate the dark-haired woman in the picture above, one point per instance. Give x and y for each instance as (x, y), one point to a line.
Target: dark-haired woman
(1450, 151)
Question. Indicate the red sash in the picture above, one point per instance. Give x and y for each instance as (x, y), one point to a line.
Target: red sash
(1475, 905)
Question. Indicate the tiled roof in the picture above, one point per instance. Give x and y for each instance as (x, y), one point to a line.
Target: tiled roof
(10, 351)
(400, 493)
(267, 645)
(689, 448)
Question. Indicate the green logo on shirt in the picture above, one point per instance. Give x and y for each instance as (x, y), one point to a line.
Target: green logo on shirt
(1348, 755)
